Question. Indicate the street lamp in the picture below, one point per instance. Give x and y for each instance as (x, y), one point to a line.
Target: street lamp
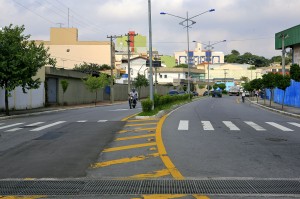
(187, 23)
(209, 48)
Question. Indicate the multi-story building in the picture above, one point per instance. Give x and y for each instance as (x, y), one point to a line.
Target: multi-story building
(199, 56)
(68, 51)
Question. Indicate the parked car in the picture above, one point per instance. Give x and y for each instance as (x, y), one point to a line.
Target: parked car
(247, 94)
(205, 93)
(195, 93)
(181, 92)
(216, 93)
(173, 92)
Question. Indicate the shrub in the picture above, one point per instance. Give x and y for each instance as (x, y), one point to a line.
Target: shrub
(147, 105)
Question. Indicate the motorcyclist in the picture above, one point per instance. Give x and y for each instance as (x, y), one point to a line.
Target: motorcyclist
(134, 94)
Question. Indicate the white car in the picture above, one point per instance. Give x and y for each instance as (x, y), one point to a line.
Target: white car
(247, 94)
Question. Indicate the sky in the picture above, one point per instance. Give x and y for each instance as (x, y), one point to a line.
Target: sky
(246, 25)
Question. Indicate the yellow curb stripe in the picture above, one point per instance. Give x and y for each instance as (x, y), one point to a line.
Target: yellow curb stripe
(142, 120)
(163, 153)
(120, 148)
(135, 137)
(123, 160)
(135, 130)
(154, 174)
(143, 124)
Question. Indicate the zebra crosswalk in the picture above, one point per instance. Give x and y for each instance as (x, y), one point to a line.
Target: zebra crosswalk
(262, 126)
(36, 126)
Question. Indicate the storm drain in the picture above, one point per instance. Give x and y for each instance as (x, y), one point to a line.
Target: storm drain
(133, 187)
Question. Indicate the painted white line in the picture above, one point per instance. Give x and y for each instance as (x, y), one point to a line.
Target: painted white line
(294, 123)
(120, 109)
(207, 126)
(34, 124)
(102, 120)
(183, 125)
(231, 126)
(255, 126)
(5, 127)
(47, 126)
(12, 130)
(82, 121)
(283, 128)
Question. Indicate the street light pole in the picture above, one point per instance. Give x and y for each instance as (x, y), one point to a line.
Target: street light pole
(209, 48)
(187, 23)
(150, 53)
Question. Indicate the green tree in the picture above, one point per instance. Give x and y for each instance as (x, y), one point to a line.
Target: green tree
(282, 83)
(64, 85)
(295, 72)
(20, 59)
(93, 83)
(222, 86)
(140, 81)
(245, 79)
(269, 81)
(91, 68)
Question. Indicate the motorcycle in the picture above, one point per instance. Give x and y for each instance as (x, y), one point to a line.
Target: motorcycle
(132, 102)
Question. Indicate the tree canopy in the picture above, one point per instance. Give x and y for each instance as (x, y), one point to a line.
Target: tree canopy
(20, 60)
(91, 68)
(295, 72)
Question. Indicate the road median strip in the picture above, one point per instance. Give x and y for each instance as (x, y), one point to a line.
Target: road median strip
(134, 137)
(120, 148)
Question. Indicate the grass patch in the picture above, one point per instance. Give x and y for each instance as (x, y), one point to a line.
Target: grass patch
(163, 107)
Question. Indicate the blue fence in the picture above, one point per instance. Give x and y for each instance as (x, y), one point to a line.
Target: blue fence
(292, 95)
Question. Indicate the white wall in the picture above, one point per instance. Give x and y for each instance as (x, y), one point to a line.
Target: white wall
(18, 100)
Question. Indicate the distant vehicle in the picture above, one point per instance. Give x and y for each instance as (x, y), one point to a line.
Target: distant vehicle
(216, 93)
(173, 92)
(235, 90)
(205, 93)
(181, 92)
(195, 93)
(247, 94)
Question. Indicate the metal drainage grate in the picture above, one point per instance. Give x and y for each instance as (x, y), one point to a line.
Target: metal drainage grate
(92, 187)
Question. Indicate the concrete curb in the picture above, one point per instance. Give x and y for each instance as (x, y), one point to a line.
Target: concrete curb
(275, 110)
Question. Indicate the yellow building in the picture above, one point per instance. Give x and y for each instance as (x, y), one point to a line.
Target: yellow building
(68, 51)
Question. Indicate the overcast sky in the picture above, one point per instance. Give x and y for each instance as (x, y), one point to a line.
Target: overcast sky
(247, 25)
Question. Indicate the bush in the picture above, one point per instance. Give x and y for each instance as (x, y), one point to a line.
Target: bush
(147, 105)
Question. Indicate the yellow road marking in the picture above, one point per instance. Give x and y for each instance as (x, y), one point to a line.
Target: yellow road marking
(200, 197)
(124, 160)
(130, 116)
(155, 174)
(163, 153)
(142, 120)
(135, 137)
(143, 124)
(135, 130)
(120, 148)
(21, 197)
(161, 196)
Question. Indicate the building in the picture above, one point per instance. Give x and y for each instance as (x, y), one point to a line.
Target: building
(199, 56)
(291, 39)
(68, 51)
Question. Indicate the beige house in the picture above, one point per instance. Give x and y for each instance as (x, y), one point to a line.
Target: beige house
(68, 51)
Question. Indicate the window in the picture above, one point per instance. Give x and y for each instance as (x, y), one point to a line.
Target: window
(160, 76)
(166, 76)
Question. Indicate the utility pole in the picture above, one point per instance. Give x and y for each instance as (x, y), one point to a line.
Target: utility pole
(283, 36)
(128, 45)
(112, 66)
(225, 73)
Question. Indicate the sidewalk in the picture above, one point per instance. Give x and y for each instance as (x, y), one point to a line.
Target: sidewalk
(54, 108)
(287, 110)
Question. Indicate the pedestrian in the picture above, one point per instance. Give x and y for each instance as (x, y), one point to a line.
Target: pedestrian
(243, 96)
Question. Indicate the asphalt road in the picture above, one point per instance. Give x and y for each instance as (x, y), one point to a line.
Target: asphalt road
(221, 137)
(59, 144)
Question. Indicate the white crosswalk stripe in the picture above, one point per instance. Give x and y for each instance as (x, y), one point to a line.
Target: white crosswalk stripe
(82, 121)
(283, 128)
(255, 126)
(294, 123)
(207, 126)
(14, 129)
(47, 126)
(183, 125)
(102, 120)
(34, 124)
(231, 126)
(11, 125)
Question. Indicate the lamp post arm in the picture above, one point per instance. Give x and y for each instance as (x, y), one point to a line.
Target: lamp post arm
(202, 13)
(164, 13)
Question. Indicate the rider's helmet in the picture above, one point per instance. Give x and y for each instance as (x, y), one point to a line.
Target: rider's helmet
(133, 89)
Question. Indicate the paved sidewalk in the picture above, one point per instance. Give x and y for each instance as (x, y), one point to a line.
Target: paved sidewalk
(288, 110)
(53, 108)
